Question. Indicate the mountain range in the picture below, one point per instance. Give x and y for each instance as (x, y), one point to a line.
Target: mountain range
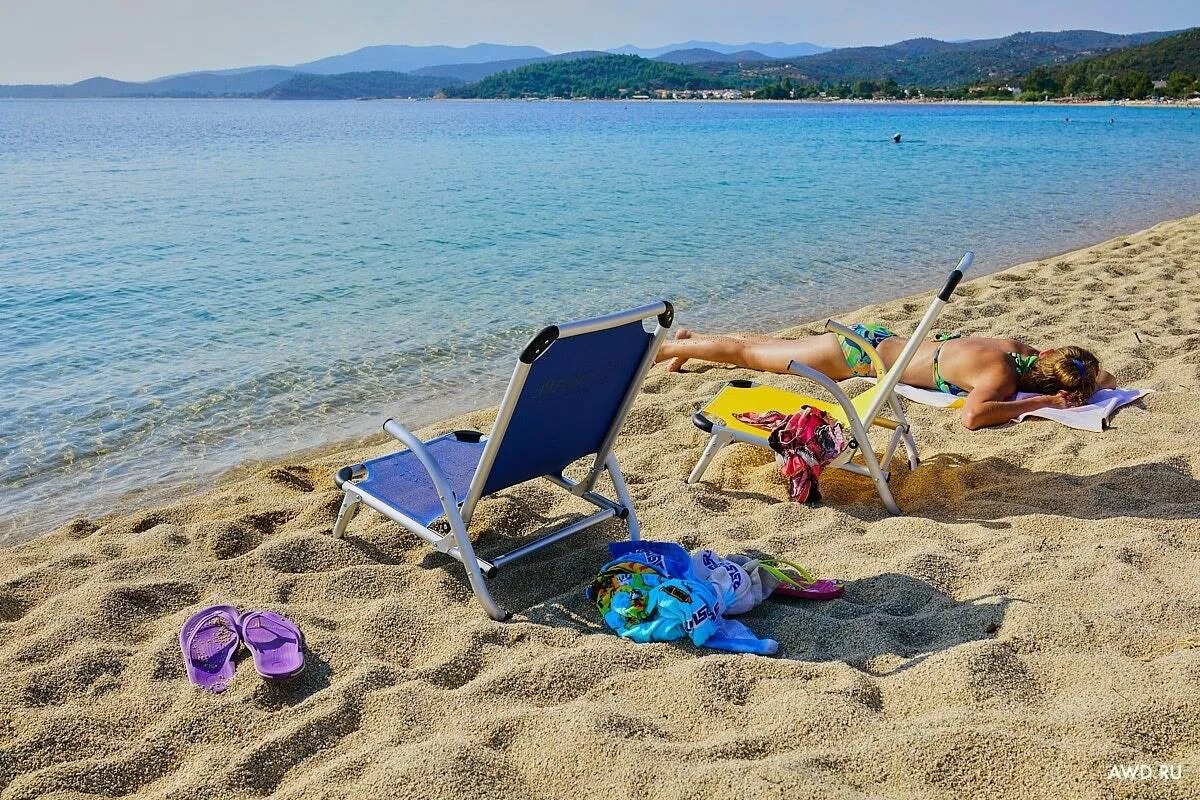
(1088, 64)
(930, 62)
(919, 62)
(197, 84)
(767, 49)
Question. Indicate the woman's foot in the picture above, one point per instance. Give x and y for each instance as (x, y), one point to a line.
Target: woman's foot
(676, 364)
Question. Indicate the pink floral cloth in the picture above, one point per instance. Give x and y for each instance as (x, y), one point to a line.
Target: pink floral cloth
(808, 441)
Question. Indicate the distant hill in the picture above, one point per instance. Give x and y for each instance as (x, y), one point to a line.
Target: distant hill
(925, 63)
(477, 72)
(768, 49)
(352, 85)
(398, 58)
(199, 84)
(1158, 59)
(1128, 73)
(406, 58)
(700, 55)
(603, 76)
(934, 63)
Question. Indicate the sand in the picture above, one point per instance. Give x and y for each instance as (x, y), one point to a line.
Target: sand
(1032, 621)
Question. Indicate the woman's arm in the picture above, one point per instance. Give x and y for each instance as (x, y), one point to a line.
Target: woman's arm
(1106, 380)
(997, 412)
(989, 404)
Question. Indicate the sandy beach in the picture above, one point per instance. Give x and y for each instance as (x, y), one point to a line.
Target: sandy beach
(1031, 622)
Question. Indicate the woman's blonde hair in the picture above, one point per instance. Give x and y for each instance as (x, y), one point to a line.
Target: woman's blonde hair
(1064, 368)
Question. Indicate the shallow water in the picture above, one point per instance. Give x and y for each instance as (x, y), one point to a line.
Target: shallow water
(187, 284)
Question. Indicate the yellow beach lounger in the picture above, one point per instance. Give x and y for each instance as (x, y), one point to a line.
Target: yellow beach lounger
(859, 414)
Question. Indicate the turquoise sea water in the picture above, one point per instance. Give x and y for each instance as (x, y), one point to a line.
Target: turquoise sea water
(188, 284)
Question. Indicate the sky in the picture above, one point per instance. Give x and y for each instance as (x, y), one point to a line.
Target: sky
(61, 41)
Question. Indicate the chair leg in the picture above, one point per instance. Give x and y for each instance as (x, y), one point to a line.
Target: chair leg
(474, 575)
(622, 489)
(893, 442)
(715, 443)
(910, 445)
(349, 509)
(914, 459)
(885, 494)
(880, 479)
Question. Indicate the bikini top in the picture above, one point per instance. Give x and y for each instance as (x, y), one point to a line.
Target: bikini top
(1022, 364)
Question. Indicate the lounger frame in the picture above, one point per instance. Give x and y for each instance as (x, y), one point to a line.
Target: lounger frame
(873, 466)
(458, 512)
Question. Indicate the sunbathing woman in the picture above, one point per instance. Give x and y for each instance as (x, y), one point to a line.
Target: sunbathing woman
(988, 372)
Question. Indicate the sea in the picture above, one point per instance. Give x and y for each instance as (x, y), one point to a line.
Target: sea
(188, 285)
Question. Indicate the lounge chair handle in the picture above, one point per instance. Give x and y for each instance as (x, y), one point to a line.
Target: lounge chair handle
(952, 282)
(440, 484)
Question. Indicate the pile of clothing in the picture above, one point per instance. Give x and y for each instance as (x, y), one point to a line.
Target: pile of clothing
(658, 592)
(807, 442)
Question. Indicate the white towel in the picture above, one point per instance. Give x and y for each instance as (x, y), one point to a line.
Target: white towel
(1091, 417)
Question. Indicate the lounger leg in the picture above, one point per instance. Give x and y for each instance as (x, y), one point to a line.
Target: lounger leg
(914, 458)
(474, 575)
(349, 509)
(718, 440)
(881, 484)
(618, 481)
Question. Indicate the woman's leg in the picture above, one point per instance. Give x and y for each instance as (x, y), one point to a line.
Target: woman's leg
(762, 353)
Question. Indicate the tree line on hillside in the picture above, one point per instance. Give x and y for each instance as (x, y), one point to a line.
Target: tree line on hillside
(602, 77)
(1131, 74)
(1127, 73)
(351, 85)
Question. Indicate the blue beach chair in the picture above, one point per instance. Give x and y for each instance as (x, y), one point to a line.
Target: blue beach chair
(571, 390)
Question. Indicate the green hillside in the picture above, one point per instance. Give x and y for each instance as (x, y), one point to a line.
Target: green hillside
(930, 63)
(351, 85)
(603, 76)
(1128, 73)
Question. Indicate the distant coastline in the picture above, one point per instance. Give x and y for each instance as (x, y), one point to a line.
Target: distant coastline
(1191, 103)
(1032, 67)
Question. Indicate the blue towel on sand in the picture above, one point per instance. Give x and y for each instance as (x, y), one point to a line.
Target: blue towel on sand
(649, 593)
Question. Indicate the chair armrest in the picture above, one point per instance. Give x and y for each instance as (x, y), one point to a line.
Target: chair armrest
(440, 484)
(831, 386)
(833, 326)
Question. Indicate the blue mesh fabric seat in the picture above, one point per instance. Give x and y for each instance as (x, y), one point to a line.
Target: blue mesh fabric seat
(570, 392)
(401, 481)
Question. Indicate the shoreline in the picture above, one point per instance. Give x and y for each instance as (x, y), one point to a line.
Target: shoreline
(1192, 104)
(116, 504)
(1029, 622)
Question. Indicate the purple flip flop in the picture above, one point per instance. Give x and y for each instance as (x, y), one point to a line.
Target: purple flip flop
(275, 642)
(820, 589)
(208, 640)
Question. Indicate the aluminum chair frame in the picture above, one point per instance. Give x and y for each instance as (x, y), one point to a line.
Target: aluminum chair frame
(458, 512)
(872, 467)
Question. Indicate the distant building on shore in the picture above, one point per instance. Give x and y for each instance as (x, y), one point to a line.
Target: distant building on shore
(699, 94)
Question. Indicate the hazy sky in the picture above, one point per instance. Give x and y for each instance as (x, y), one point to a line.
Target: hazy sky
(65, 40)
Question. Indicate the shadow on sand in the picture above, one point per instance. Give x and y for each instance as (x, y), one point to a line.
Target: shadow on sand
(950, 487)
(954, 488)
(882, 625)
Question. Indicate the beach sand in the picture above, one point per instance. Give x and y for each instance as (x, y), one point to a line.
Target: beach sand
(1033, 620)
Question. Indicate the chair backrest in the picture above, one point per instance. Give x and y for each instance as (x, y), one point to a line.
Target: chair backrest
(888, 382)
(569, 395)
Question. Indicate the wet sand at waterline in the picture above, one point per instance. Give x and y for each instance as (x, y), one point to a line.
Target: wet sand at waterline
(1031, 622)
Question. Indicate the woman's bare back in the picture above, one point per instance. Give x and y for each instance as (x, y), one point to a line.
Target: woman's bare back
(959, 361)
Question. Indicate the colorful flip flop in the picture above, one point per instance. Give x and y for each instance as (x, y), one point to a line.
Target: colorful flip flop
(275, 642)
(802, 584)
(209, 640)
